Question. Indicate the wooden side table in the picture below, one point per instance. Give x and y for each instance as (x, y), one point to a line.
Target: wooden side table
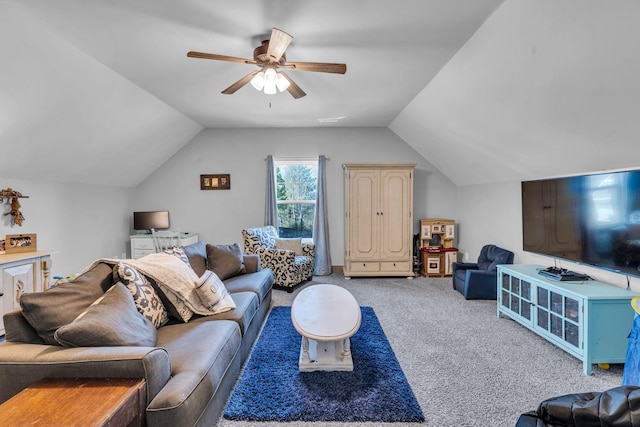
(77, 402)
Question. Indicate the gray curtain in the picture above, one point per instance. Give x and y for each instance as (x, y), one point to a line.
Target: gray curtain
(270, 208)
(321, 224)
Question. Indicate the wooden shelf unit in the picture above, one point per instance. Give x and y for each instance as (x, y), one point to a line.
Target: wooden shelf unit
(438, 235)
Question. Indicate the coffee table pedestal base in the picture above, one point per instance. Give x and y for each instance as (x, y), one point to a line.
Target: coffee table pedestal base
(325, 355)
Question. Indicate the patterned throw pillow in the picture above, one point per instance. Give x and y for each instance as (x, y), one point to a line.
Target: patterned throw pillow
(178, 252)
(213, 294)
(145, 297)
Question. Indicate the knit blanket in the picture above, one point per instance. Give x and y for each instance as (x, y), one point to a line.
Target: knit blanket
(187, 292)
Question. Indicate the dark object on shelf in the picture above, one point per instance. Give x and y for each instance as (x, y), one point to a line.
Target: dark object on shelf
(564, 275)
(619, 406)
(478, 280)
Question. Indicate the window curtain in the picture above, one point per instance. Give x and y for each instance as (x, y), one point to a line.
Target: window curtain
(270, 208)
(321, 224)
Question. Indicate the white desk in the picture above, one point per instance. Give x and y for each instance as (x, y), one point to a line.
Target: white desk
(142, 244)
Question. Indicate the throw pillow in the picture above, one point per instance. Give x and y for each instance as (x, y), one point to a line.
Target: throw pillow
(197, 255)
(112, 320)
(145, 297)
(58, 306)
(178, 252)
(213, 294)
(225, 260)
(294, 245)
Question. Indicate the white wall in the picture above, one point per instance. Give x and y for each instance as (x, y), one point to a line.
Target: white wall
(220, 215)
(80, 222)
(492, 213)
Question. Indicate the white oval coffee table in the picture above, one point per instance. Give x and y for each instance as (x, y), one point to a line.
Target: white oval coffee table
(326, 316)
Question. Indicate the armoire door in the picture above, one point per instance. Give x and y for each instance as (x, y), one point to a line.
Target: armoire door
(364, 214)
(396, 214)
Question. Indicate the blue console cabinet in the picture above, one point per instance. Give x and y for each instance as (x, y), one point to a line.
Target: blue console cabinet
(590, 320)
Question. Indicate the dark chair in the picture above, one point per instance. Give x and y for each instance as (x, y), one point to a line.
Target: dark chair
(478, 280)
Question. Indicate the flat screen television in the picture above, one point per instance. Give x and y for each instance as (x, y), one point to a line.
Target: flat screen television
(588, 219)
(152, 219)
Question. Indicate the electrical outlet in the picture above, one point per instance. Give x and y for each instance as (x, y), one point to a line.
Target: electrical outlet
(465, 256)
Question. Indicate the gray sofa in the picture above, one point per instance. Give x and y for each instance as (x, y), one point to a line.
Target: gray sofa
(189, 372)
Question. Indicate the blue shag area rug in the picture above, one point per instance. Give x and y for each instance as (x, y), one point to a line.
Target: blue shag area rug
(271, 388)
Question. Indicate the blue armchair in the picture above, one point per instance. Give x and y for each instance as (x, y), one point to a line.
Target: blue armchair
(478, 280)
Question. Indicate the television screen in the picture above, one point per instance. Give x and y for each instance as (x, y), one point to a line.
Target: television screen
(589, 219)
(148, 220)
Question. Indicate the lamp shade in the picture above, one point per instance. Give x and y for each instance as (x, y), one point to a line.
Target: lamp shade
(282, 82)
(258, 80)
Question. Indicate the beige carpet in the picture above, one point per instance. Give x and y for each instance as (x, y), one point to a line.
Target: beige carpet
(466, 366)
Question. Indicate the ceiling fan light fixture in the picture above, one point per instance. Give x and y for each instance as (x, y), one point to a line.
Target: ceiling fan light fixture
(258, 80)
(270, 88)
(270, 75)
(282, 83)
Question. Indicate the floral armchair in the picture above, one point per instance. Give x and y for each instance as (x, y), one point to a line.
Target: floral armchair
(291, 260)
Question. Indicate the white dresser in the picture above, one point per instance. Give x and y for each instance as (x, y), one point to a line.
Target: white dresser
(20, 273)
(142, 244)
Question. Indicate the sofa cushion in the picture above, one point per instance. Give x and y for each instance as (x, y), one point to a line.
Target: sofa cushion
(201, 356)
(246, 307)
(144, 295)
(259, 283)
(225, 260)
(197, 255)
(112, 320)
(42, 309)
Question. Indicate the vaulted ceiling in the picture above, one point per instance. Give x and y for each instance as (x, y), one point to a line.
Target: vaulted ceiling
(486, 90)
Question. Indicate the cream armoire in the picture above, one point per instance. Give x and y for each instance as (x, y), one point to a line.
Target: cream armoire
(378, 220)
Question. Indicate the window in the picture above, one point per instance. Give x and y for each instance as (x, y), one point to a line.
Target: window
(296, 184)
(606, 197)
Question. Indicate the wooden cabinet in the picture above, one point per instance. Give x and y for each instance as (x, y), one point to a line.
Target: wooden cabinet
(142, 244)
(21, 273)
(436, 244)
(378, 220)
(590, 320)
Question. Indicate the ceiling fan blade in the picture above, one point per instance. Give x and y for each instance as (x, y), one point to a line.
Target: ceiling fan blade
(278, 43)
(293, 88)
(203, 55)
(321, 67)
(237, 85)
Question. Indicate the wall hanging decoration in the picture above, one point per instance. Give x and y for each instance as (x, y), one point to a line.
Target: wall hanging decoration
(215, 182)
(16, 216)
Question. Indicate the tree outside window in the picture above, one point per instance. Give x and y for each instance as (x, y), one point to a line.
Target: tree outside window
(296, 185)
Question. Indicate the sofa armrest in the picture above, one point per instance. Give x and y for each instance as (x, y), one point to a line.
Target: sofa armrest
(251, 263)
(481, 284)
(274, 257)
(455, 266)
(23, 364)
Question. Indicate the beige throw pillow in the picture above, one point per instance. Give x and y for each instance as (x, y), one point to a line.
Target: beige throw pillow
(294, 245)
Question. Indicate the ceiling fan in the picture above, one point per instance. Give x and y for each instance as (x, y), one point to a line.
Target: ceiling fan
(270, 58)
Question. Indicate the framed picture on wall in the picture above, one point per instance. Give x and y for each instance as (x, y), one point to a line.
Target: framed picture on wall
(215, 182)
(425, 232)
